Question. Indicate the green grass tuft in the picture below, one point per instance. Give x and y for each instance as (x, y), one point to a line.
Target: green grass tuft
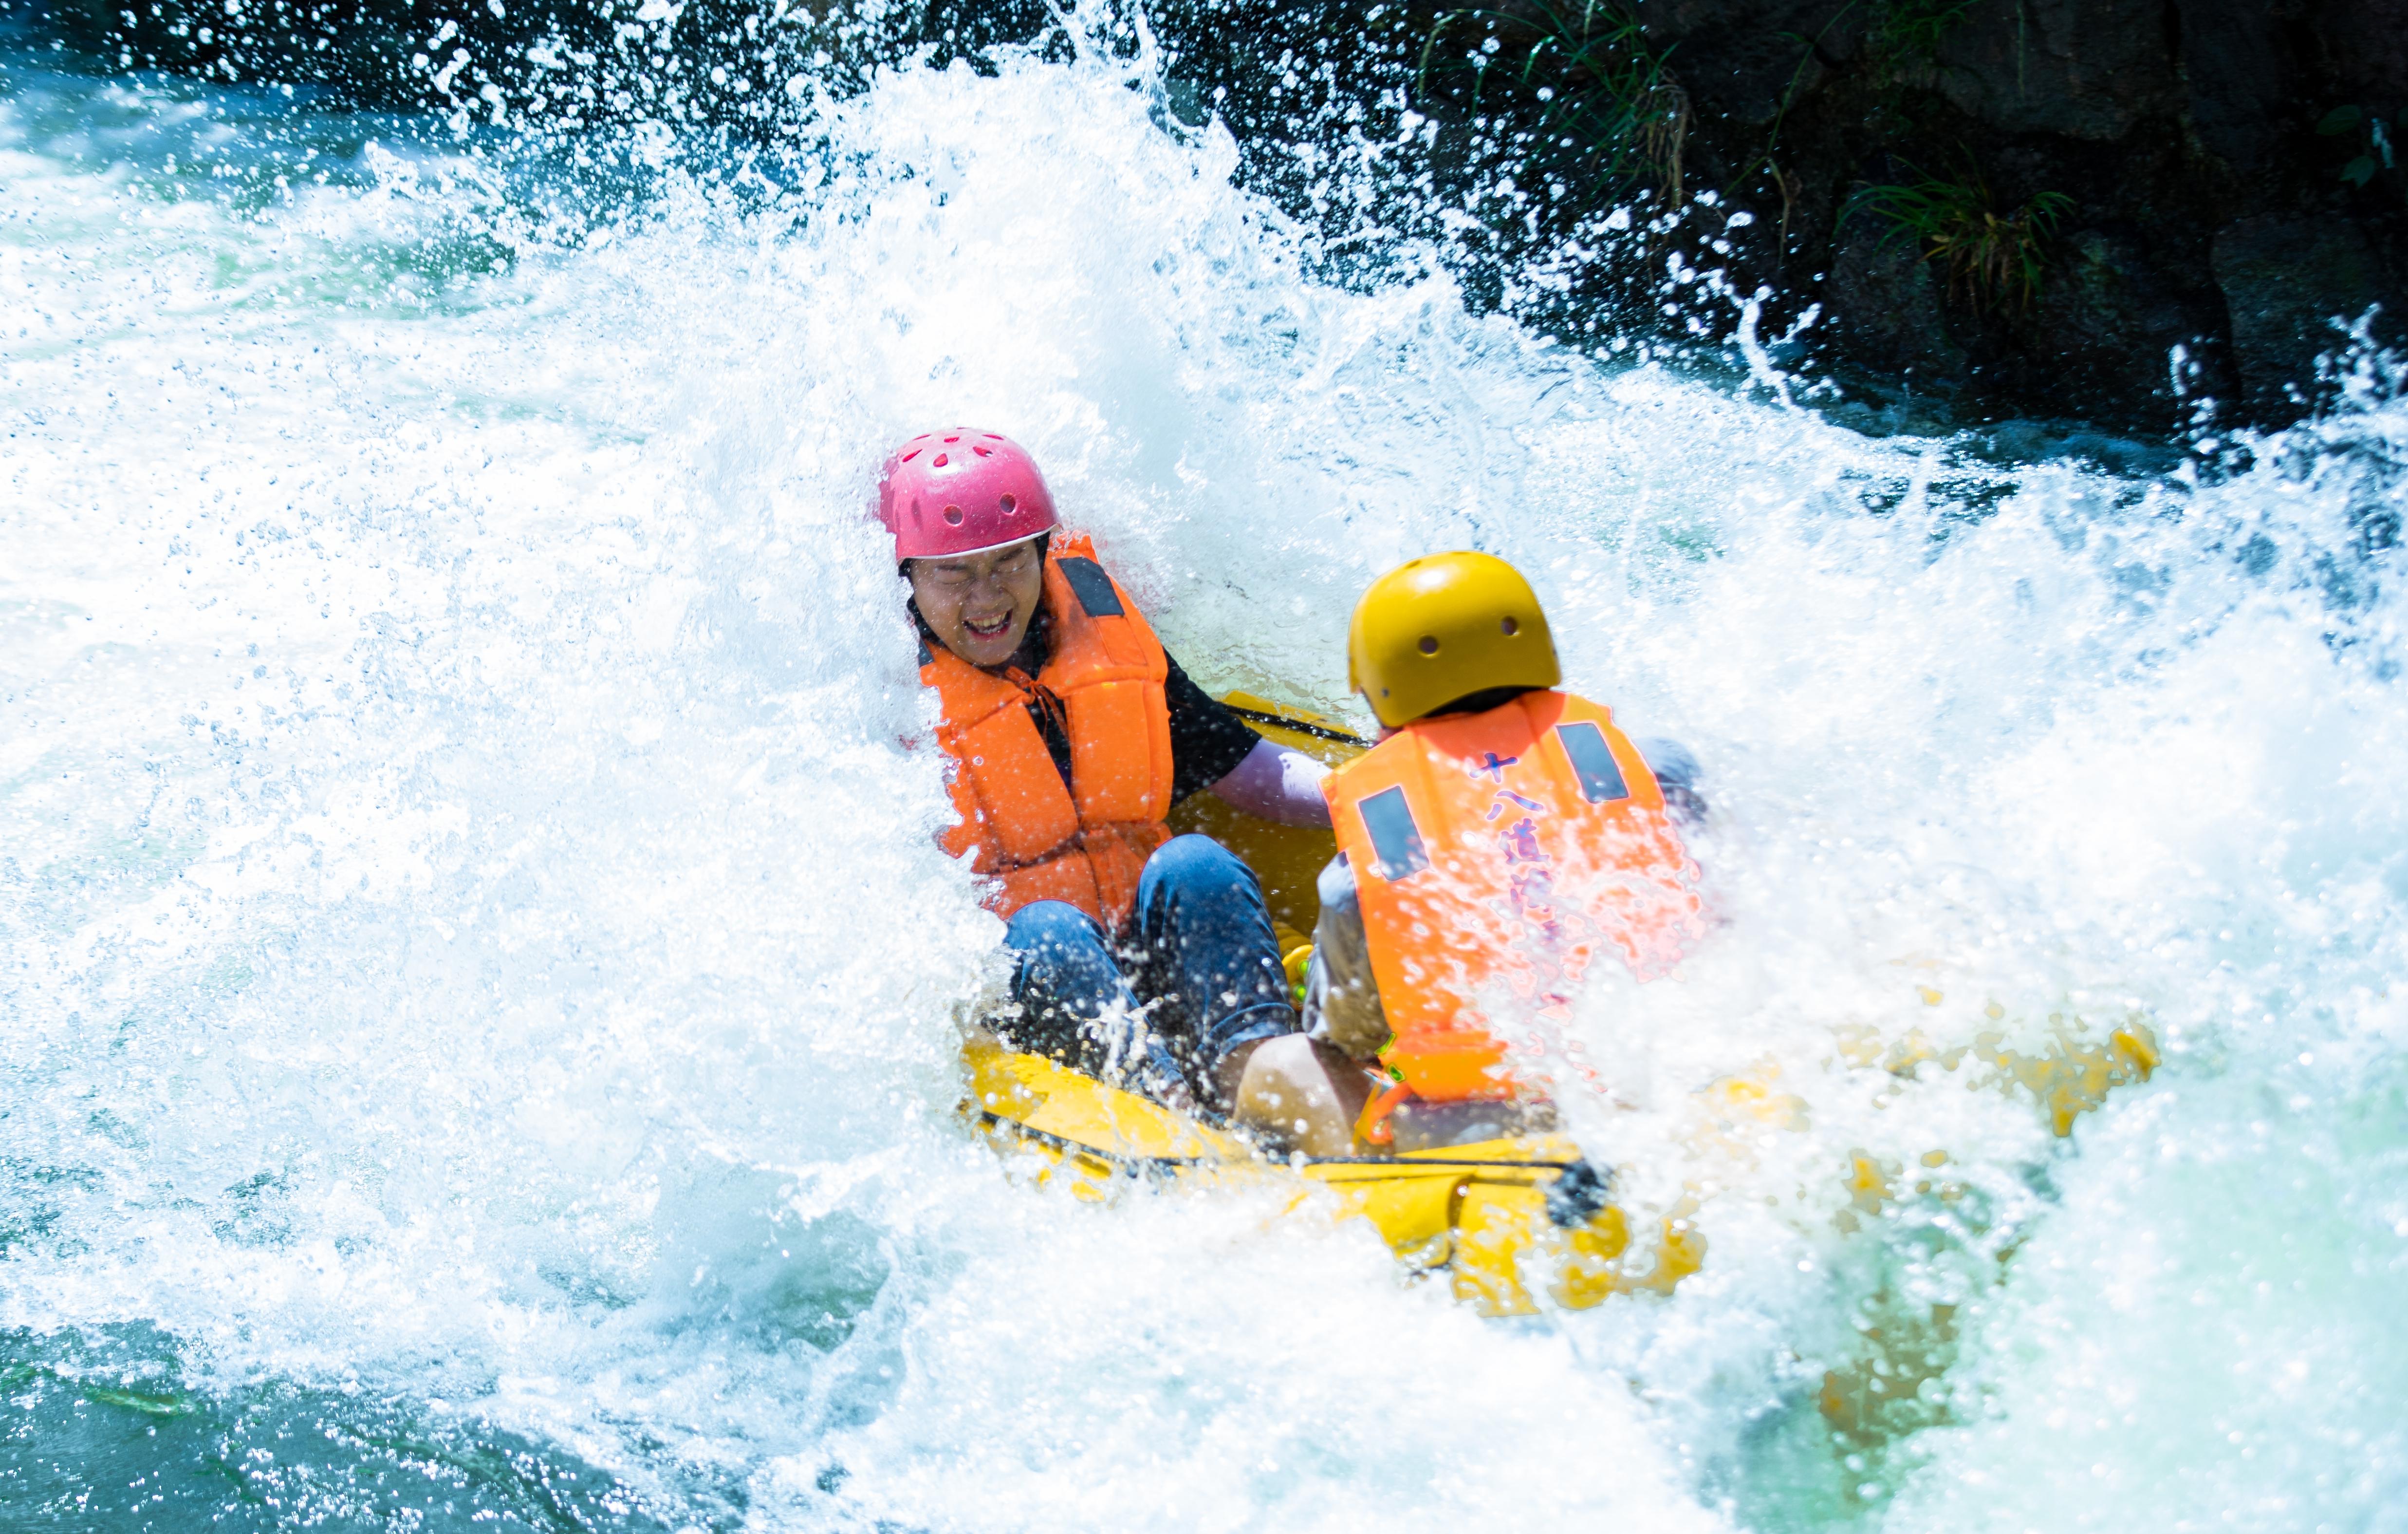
(1994, 259)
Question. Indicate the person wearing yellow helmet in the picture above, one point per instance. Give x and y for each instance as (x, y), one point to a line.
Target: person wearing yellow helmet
(1502, 838)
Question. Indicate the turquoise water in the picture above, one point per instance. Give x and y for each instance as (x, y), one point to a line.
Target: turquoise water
(478, 990)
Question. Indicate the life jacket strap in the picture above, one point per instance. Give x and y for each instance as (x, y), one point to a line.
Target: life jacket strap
(1044, 699)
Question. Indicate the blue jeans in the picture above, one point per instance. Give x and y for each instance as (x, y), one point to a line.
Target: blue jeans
(1196, 975)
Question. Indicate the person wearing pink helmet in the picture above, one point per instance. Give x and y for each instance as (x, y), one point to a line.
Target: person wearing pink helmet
(1138, 955)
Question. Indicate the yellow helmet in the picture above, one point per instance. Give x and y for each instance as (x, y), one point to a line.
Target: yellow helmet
(1443, 627)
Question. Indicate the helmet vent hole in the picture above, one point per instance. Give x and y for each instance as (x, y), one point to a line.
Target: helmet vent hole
(1429, 644)
(1011, 504)
(954, 438)
(913, 454)
(952, 514)
(1511, 627)
(980, 449)
(938, 462)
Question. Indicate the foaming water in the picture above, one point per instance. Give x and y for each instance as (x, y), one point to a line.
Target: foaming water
(482, 989)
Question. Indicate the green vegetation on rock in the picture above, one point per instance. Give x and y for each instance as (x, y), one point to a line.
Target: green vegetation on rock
(1993, 258)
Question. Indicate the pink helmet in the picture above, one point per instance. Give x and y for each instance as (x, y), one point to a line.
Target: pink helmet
(961, 492)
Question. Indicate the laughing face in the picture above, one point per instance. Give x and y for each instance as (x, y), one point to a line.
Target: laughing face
(980, 605)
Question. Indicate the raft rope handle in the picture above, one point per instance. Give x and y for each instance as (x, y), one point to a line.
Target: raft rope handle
(1133, 1163)
(1301, 726)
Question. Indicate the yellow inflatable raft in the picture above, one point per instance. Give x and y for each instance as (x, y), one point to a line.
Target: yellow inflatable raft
(1510, 1222)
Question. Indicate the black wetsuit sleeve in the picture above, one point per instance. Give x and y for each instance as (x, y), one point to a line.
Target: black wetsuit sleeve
(1208, 740)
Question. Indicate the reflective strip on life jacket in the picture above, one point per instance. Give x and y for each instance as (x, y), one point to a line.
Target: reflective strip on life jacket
(1496, 854)
(1043, 839)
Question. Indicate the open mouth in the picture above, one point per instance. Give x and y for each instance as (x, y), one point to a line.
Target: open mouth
(988, 628)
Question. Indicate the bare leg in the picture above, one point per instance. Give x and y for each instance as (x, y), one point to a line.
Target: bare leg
(1298, 1094)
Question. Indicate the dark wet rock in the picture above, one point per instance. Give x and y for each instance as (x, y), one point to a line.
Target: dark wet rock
(1741, 59)
(1888, 301)
(2237, 80)
(2113, 323)
(2292, 286)
(2202, 208)
(2369, 42)
(2163, 139)
(2085, 69)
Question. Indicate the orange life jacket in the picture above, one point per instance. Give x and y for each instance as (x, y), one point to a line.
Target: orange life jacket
(1496, 854)
(1040, 839)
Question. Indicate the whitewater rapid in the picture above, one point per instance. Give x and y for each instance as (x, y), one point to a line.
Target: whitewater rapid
(479, 993)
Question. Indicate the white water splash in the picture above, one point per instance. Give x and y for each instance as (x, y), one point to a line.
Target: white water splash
(474, 935)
